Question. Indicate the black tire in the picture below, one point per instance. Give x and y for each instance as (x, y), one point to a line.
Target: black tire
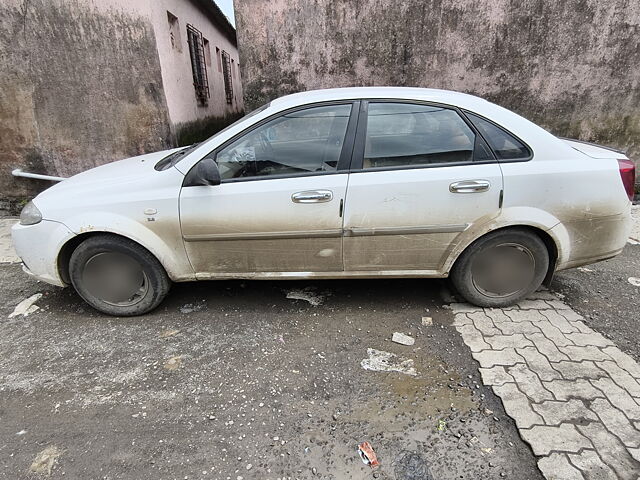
(527, 242)
(155, 283)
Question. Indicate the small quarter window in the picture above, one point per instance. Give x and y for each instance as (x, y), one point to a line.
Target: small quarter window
(505, 145)
(405, 134)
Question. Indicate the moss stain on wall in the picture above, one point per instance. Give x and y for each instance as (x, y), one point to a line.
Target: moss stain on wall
(78, 88)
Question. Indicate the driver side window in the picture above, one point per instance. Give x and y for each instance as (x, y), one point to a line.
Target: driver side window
(302, 141)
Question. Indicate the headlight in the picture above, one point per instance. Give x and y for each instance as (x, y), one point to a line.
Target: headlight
(30, 215)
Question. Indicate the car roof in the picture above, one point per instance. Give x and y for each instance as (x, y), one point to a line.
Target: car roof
(409, 93)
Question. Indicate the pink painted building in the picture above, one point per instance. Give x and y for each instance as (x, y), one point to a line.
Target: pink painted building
(86, 82)
(198, 58)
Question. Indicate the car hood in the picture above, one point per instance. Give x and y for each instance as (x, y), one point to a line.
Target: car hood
(128, 175)
(121, 170)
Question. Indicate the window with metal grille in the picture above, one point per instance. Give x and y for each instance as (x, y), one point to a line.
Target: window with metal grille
(226, 72)
(198, 64)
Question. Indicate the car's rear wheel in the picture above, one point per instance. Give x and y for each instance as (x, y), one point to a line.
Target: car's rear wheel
(117, 276)
(501, 268)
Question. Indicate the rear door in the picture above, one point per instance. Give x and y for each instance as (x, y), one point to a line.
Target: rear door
(420, 176)
(279, 206)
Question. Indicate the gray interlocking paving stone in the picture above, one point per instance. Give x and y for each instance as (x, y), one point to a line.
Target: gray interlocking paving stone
(525, 315)
(529, 383)
(618, 397)
(483, 323)
(566, 389)
(547, 347)
(558, 305)
(559, 321)
(553, 334)
(573, 370)
(622, 378)
(623, 360)
(473, 338)
(490, 358)
(586, 339)
(572, 411)
(571, 315)
(495, 376)
(497, 315)
(591, 466)
(533, 304)
(461, 319)
(579, 354)
(538, 363)
(510, 327)
(580, 326)
(464, 308)
(545, 439)
(557, 467)
(616, 422)
(611, 451)
(517, 340)
(517, 406)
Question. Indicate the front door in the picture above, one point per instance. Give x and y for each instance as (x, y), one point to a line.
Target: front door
(422, 176)
(279, 206)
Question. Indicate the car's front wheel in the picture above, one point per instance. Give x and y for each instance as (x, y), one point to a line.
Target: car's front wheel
(501, 268)
(117, 276)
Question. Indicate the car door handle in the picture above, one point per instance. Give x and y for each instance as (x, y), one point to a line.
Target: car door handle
(470, 186)
(312, 196)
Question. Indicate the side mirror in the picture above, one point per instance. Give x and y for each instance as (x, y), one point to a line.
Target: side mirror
(205, 172)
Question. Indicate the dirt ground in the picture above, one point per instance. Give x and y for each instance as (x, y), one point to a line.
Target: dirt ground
(232, 380)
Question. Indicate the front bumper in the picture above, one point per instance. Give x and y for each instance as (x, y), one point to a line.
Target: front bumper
(38, 247)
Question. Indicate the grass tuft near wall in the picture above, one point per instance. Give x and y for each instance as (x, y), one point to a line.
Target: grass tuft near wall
(195, 131)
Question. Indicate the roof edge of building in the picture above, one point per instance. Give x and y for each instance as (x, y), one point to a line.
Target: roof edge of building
(220, 19)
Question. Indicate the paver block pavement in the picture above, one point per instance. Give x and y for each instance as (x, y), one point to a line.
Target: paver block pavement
(491, 358)
(539, 363)
(495, 375)
(616, 422)
(529, 383)
(567, 389)
(574, 370)
(611, 451)
(575, 397)
(592, 465)
(517, 406)
(556, 412)
(546, 439)
(557, 467)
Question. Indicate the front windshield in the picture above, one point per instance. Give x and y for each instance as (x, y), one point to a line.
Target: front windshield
(173, 158)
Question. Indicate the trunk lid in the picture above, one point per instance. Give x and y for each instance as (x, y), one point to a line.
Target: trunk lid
(594, 150)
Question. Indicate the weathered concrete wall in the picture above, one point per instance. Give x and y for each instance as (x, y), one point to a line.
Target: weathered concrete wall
(80, 85)
(572, 65)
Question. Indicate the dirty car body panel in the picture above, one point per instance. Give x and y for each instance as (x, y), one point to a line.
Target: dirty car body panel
(352, 182)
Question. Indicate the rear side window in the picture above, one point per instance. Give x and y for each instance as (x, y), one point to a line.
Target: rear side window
(504, 145)
(405, 134)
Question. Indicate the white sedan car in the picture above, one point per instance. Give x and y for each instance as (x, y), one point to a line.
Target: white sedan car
(340, 183)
